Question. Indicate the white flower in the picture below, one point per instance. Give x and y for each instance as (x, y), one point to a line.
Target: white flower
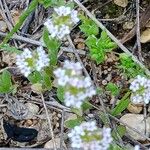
(29, 61)
(63, 30)
(137, 147)
(77, 87)
(62, 20)
(63, 11)
(74, 16)
(140, 88)
(80, 133)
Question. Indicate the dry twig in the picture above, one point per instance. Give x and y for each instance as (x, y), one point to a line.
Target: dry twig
(49, 122)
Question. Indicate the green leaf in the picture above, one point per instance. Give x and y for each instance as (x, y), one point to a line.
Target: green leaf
(35, 77)
(99, 47)
(123, 104)
(113, 88)
(72, 123)
(104, 118)
(11, 49)
(52, 3)
(121, 131)
(77, 111)
(60, 93)
(88, 26)
(47, 82)
(91, 42)
(129, 67)
(5, 82)
(52, 46)
(116, 147)
(86, 106)
(45, 3)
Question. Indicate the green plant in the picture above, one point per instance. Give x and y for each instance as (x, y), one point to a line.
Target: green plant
(113, 88)
(52, 46)
(88, 27)
(48, 3)
(122, 105)
(5, 82)
(99, 47)
(129, 67)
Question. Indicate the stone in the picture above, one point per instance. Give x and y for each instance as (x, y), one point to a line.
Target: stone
(49, 144)
(33, 109)
(137, 122)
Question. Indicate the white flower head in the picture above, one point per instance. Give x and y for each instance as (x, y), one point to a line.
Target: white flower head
(61, 22)
(88, 137)
(77, 87)
(29, 61)
(140, 88)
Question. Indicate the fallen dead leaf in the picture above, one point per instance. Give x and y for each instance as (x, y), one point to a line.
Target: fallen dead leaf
(121, 3)
(15, 15)
(134, 108)
(9, 58)
(145, 36)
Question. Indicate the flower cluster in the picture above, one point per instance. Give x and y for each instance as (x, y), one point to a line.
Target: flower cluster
(88, 137)
(63, 18)
(77, 87)
(140, 88)
(137, 147)
(29, 61)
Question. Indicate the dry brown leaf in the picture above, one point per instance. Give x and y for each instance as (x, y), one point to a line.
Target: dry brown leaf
(145, 36)
(134, 109)
(121, 3)
(15, 15)
(9, 58)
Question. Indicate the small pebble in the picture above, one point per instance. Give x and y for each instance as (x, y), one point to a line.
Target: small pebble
(4, 110)
(57, 125)
(59, 115)
(105, 72)
(109, 77)
(57, 118)
(66, 43)
(105, 67)
(104, 82)
(81, 46)
(54, 113)
(35, 122)
(109, 69)
(90, 115)
(29, 122)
